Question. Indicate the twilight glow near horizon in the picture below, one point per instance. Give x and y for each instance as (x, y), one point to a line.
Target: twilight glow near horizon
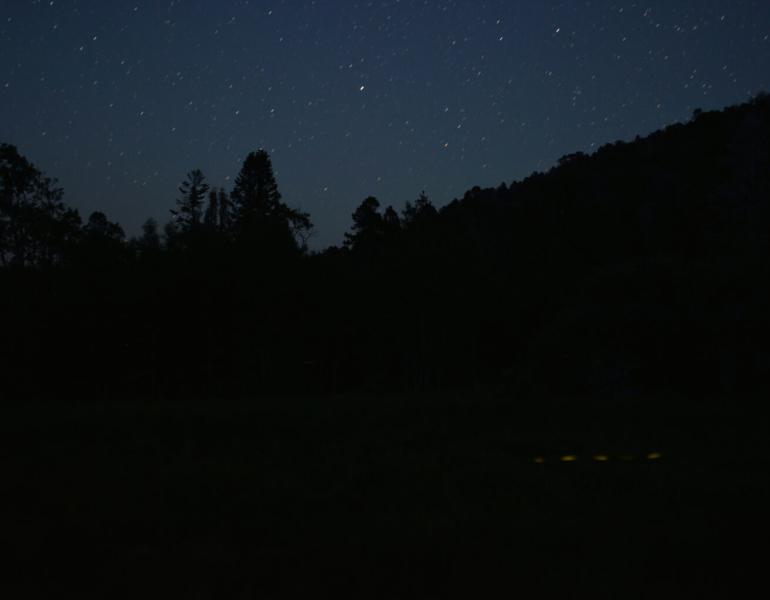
(119, 100)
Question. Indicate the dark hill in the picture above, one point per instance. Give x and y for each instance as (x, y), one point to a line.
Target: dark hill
(642, 269)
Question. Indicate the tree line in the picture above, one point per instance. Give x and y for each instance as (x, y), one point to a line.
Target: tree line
(38, 230)
(641, 268)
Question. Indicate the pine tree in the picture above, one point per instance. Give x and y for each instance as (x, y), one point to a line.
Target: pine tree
(255, 197)
(187, 216)
(391, 222)
(422, 211)
(257, 213)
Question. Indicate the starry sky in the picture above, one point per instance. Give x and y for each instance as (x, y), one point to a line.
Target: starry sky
(120, 99)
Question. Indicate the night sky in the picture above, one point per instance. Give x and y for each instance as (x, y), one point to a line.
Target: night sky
(119, 100)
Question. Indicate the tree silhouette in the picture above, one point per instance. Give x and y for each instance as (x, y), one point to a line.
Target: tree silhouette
(391, 221)
(224, 218)
(258, 215)
(217, 217)
(418, 214)
(170, 235)
(101, 244)
(35, 224)
(255, 197)
(211, 216)
(368, 225)
(99, 228)
(300, 225)
(149, 242)
(188, 213)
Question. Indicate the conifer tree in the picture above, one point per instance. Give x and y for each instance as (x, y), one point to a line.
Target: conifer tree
(418, 213)
(188, 214)
(255, 197)
(391, 222)
(257, 213)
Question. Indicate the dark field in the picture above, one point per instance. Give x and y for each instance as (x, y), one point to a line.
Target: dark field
(383, 498)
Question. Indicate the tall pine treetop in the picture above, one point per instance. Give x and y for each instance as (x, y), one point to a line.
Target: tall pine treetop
(255, 194)
(257, 212)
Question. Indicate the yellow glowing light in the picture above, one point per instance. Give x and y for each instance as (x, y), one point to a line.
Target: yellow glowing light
(654, 456)
(539, 460)
(569, 458)
(601, 457)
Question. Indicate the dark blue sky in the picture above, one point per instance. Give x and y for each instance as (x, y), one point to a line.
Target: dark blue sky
(118, 100)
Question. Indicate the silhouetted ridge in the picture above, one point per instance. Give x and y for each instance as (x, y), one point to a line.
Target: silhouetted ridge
(638, 270)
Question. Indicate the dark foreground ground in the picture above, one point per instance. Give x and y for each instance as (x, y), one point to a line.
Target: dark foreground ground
(384, 498)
